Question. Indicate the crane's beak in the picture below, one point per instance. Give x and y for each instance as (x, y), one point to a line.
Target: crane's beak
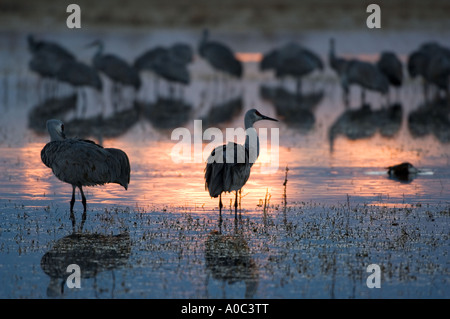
(268, 118)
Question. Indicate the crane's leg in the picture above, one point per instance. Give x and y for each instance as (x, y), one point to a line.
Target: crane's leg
(235, 205)
(72, 201)
(220, 207)
(83, 200)
(240, 198)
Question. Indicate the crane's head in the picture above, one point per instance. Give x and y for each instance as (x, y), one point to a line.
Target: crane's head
(253, 116)
(56, 130)
(96, 43)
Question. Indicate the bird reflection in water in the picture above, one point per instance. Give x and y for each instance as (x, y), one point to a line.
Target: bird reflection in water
(93, 253)
(50, 108)
(167, 113)
(432, 117)
(223, 112)
(297, 111)
(100, 127)
(228, 259)
(363, 123)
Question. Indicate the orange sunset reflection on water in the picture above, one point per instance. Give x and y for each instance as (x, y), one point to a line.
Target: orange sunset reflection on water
(355, 169)
(319, 170)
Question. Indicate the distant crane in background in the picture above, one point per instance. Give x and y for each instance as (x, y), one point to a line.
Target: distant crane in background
(367, 75)
(170, 64)
(220, 57)
(293, 60)
(46, 59)
(432, 62)
(391, 66)
(117, 70)
(81, 76)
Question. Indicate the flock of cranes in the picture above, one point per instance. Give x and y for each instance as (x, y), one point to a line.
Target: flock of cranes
(431, 61)
(84, 163)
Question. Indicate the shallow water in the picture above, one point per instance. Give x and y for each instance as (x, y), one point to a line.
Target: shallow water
(342, 214)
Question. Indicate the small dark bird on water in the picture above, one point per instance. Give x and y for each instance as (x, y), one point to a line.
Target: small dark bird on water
(403, 172)
(83, 163)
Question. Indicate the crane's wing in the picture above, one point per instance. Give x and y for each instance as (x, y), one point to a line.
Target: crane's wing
(227, 169)
(81, 162)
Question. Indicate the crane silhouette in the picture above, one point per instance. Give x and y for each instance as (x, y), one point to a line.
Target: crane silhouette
(367, 75)
(292, 60)
(228, 166)
(116, 69)
(46, 59)
(83, 163)
(167, 63)
(431, 61)
(219, 56)
(81, 76)
(391, 66)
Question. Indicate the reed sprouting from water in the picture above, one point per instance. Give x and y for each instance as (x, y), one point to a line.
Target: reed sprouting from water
(285, 195)
(266, 202)
(285, 187)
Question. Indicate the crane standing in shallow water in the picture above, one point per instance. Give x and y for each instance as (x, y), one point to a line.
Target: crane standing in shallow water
(117, 70)
(83, 163)
(352, 71)
(391, 66)
(228, 166)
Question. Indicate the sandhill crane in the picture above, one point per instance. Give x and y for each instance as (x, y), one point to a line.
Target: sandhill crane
(80, 75)
(47, 57)
(353, 71)
(367, 76)
(172, 69)
(46, 65)
(438, 71)
(291, 60)
(219, 56)
(146, 60)
(269, 60)
(167, 63)
(431, 61)
(83, 163)
(182, 52)
(228, 166)
(35, 46)
(116, 69)
(338, 64)
(296, 61)
(391, 66)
